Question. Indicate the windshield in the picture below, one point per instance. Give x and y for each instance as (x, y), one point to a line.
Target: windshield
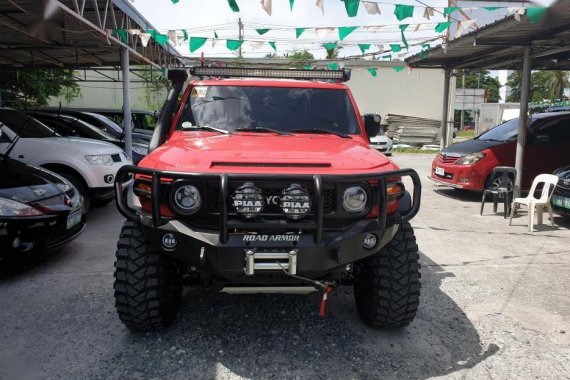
(274, 108)
(24, 125)
(503, 132)
(90, 131)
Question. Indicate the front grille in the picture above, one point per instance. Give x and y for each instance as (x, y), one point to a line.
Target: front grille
(562, 190)
(270, 164)
(57, 200)
(446, 159)
(329, 200)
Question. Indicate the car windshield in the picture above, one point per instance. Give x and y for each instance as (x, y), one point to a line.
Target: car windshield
(91, 131)
(503, 132)
(24, 125)
(279, 109)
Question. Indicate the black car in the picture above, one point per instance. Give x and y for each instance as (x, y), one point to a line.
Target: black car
(39, 210)
(71, 126)
(561, 196)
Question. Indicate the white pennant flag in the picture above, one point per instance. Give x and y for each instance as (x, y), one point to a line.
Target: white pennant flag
(380, 48)
(518, 11)
(422, 27)
(462, 26)
(373, 28)
(145, 37)
(267, 6)
(256, 44)
(371, 7)
(321, 4)
(172, 36)
(134, 32)
(323, 32)
(428, 12)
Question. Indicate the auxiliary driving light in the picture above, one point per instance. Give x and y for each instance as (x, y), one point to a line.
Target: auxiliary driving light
(248, 200)
(295, 201)
(354, 199)
(186, 199)
(369, 241)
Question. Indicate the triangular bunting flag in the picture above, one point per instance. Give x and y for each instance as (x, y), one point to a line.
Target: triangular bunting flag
(363, 47)
(261, 31)
(255, 45)
(145, 37)
(291, 3)
(371, 7)
(272, 44)
(332, 66)
(321, 4)
(373, 71)
(344, 31)
(298, 32)
(351, 7)
(395, 48)
(322, 32)
(233, 5)
(442, 26)
(449, 10)
(196, 43)
(233, 44)
(403, 11)
(462, 26)
(266, 5)
(535, 13)
(428, 12)
(404, 41)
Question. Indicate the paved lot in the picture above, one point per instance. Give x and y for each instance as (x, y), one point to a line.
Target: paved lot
(494, 304)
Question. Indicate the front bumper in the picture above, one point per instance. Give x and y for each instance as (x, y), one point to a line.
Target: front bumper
(223, 251)
(384, 148)
(467, 177)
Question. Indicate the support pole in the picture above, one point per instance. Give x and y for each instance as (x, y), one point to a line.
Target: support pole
(462, 122)
(523, 120)
(127, 122)
(445, 113)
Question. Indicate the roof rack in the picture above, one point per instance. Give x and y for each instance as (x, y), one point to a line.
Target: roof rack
(341, 75)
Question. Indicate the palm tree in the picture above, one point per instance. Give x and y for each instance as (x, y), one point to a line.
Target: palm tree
(332, 53)
(556, 83)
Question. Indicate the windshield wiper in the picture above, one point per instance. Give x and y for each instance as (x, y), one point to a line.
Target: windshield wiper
(259, 129)
(207, 128)
(319, 130)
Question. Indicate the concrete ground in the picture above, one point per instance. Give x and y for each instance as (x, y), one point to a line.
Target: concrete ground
(494, 304)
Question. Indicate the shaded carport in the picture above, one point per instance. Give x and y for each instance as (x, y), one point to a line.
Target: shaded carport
(506, 44)
(76, 34)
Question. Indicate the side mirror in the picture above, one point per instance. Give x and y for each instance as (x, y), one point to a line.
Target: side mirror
(372, 124)
(541, 139)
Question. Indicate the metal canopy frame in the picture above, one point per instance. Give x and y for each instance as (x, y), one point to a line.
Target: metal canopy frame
(506, 44)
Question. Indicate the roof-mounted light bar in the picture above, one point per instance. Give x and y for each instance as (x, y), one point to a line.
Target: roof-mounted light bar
(342, 75)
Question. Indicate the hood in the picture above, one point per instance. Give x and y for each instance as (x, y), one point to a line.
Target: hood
(380, 138)
(564, 174)
(247, 152)
(24, 183)
(78, 144)
(470, 146)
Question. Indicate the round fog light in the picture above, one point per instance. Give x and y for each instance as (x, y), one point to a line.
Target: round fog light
(369, 241)
(169, 241)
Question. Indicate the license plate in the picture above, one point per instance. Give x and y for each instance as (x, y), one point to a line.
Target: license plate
(559, 201)
(439, 171)
(73, 219)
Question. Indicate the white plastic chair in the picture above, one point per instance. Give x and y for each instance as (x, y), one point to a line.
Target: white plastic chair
(550, 181)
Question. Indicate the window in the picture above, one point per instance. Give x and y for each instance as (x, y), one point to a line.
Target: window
(558, 131)
(23, 125)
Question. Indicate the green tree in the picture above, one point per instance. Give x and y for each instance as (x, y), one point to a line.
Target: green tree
(557, 82)
(481, 79)
(300, 58)
(544, 85)
(24, 89)
(154, 86)
(332, 53)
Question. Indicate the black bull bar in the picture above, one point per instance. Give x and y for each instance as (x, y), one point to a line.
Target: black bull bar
(128, 172)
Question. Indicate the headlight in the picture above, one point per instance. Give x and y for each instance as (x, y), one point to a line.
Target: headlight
(295, 201)
(470, 159)
(140, 149)
(354, 199)
(9, 207)
(186, 199)
(248, 200)
(100, 159)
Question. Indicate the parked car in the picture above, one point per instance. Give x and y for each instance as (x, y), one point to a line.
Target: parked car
(39, 210)
(103, 122)
(90, 165)
(71, 126)
(379, 140)
(143, 120)
(561, 196)
(467, 165)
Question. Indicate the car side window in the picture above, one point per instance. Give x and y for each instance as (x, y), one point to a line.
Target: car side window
(558, 131)
(3, 136)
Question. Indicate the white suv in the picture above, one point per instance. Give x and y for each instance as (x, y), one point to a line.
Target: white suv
(90, 165)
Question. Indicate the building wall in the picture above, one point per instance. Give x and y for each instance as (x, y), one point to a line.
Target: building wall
(416, 93)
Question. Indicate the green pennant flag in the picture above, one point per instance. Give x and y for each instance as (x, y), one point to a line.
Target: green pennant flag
(122, 35)
(163, 71)
(272, 44)
(442, 26)
(491, 8)
(351, 7)
(261, 31)
(403, 11)
(160, 39)
(387, 56)
(402, 28)
(175, 1)
(535, 13)
(449, 10)
(196, 43)
(422, 54)
(398, 68)
(373, 71)
(291, 3)
(332, 66)
(396, 47)
(298, 32)
(426, 46)
(364, 47)
(233, 5)
(330, 45)
(185, 35)
(307, 67)
(344, 31)
(233, 44)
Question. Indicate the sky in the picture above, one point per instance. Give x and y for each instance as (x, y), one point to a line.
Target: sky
(200, 18)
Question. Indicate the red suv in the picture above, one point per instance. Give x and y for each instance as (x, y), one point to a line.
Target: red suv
(467, 165)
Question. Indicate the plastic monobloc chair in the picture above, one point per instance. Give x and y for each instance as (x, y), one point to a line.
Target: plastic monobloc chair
(549, 182)
(501, 184)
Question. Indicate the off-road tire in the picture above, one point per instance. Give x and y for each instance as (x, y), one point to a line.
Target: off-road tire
(387, 284)
(148, 285)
